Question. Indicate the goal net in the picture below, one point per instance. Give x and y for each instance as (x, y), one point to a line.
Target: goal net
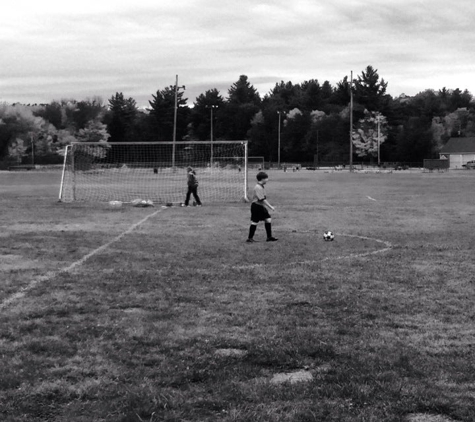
(156, 171)
(255, 162)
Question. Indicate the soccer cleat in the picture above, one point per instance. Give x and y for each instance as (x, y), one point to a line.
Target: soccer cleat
(272, 239)
(250, 241)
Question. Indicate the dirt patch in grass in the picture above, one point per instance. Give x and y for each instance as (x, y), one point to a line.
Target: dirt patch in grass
(10, 262)
(292, 377)
(422, 417)
(231, 353)
(135, 311)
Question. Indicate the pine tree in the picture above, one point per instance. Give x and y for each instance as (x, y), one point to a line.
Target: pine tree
(369, 90)
(200, 115)
(242, 105)
(122, 117)
(311, 95)
(242, 92)
(162, 114)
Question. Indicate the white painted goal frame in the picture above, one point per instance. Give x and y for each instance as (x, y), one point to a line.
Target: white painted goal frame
(120, 171)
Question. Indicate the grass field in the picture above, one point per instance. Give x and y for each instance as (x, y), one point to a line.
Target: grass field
(178, 319)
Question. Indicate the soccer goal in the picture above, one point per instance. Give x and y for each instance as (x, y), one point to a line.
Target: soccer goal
(120, 171)
(255, 162)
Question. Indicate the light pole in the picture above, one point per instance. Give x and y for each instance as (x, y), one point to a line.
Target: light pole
(317, 150)
(174, 120)
(278, 143)
(351, 122)
(211, 107)
(378, 116)
(32, 150)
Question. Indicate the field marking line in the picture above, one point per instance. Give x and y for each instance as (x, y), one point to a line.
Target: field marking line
(372, 199)
(51, 274)
(387, 246)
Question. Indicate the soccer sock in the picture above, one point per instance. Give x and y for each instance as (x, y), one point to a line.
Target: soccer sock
(252, 230)
(268, 229)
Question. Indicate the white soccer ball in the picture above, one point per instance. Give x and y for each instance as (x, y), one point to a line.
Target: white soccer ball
(328, 236)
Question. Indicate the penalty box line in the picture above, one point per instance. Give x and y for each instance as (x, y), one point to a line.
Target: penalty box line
(52, 274)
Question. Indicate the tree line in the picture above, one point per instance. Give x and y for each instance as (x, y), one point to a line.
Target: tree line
(314, 121)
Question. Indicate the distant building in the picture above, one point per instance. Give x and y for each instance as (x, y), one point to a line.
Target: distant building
(458, 151)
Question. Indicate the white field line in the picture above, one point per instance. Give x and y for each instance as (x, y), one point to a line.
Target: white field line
(387, 246)
(51, 274)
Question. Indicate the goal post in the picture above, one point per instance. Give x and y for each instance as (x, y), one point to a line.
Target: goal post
(122, 171)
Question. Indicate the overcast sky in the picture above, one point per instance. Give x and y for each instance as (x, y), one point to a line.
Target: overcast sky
(81, 48)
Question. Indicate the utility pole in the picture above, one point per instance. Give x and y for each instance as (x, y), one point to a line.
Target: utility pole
(211, 134)
(351, 122)
(174, 120)
(378, 115)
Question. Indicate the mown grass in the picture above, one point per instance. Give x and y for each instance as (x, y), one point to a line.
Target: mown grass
(133, 333)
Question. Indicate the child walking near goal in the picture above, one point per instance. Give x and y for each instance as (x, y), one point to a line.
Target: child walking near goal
(259, 210)
(192, 182)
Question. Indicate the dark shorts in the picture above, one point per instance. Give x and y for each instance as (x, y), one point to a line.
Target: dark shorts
(258, 213)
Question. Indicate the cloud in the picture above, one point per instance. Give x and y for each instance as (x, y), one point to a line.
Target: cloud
(52, 49)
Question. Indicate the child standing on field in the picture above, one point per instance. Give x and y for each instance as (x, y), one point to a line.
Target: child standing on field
(192, 183)
(259, 210)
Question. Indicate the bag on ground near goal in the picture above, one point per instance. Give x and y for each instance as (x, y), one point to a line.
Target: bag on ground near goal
(142, 203)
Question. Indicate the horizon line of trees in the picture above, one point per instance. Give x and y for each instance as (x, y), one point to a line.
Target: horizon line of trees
(315, 119)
